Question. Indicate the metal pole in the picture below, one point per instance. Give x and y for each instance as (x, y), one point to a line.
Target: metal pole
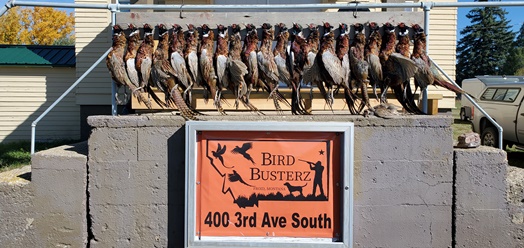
(427, 9)
(6, 7)
(114, 107)
(499, 128)
(179, 7)
(33, 125)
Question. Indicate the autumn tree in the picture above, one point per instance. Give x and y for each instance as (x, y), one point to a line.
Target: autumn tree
(37, 26)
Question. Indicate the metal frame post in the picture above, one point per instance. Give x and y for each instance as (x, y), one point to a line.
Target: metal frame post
(427, 8)
(114, 106)
(35, 122)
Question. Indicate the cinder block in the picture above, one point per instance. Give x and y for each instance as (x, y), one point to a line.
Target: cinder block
(114, 121)
(129, 225)
(153, 142)
(113, 144)
(59, 181)
(59, 191)
(67, 157)
(484, 228)
(402, 143)
(61, 229)
(481, 178)
(142, 182)
(16, 203)
(402, 226)
(403, 182)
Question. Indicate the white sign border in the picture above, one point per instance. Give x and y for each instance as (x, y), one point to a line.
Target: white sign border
(347, 146)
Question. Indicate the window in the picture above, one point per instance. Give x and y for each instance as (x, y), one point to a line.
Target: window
(500, 94)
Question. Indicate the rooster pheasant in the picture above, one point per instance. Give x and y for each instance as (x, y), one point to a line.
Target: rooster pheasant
(163, 75)
(267, 66)
(207, 70)
(249, 57)
(116, 65)
(177, 44)
(427, 73)
(237, 70)
(371, 53)
(396, 68)
(402, 47)
(359, 67)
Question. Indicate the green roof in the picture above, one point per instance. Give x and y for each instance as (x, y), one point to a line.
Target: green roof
(37, 55)
(20, 55)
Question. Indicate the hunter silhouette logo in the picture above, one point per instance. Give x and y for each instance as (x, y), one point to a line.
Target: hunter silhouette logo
(267, 184)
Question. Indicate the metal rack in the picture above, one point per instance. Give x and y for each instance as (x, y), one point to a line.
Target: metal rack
(117, 7)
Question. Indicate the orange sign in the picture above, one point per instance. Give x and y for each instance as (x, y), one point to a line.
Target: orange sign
(268, 184)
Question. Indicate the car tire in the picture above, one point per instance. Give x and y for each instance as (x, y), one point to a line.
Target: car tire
(463, 116)
(489, 137)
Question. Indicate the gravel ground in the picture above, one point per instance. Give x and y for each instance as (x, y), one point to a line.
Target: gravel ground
(515, 184)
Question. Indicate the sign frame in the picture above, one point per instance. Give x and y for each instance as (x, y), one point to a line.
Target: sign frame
(346, 129)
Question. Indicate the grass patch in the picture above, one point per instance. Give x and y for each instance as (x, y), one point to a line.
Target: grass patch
(459, 126)
(17, 154)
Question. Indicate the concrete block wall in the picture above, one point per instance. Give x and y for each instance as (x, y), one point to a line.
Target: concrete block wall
(484, 216)
(403, 179)
(59, 181)
(16, 204)
(411, 188)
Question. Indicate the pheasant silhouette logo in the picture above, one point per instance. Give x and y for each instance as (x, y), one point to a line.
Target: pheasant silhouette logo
(243, 151)
(236, 177)
(218, 154)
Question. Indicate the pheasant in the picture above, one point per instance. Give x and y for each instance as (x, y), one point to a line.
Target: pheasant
(191, 54)
(177, 44)
(402, 47)
(163, 75)
(116, 65)
(267, 66)
(143, 62)
(220, 60)
(371, 53)
(133, 43)
(330, 67)
(359, 68)
(237, 70)
(284, 75)
(207, 70)
(249, 57)
(427, 73)
(396, 68)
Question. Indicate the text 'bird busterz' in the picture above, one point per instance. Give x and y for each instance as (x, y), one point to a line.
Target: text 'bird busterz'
(218, 59)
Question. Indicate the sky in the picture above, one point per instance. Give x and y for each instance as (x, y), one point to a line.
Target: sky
(514, 15)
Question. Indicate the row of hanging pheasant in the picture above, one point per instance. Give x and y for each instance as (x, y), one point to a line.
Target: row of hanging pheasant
(183, 60)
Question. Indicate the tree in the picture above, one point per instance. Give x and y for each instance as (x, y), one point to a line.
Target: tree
(514, 61)
(484, 47)
(519, 42)
(10, 26)
(37, 26)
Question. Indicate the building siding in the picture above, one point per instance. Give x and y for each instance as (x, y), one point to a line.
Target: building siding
(93, 38)
(26, 92)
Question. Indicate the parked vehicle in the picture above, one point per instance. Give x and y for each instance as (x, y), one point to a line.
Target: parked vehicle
(502, 98)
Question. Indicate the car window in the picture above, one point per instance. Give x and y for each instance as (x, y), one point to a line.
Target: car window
(500, 94)
(511, 95)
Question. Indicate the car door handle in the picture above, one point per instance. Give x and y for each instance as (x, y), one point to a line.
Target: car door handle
(522, 114)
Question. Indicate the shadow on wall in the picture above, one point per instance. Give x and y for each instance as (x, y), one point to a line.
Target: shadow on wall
(176, 184)
(28, 99)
